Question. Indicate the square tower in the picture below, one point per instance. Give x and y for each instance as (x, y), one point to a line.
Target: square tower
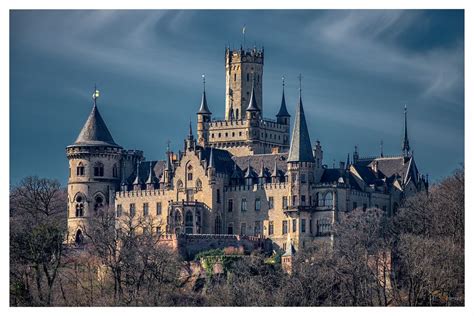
(241, 67)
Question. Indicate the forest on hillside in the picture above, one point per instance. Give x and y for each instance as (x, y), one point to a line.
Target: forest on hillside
(413, 258)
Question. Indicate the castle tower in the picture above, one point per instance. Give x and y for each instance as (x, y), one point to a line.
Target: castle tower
(300, 160)
(240, 66)
(94, 173)
(203, 118)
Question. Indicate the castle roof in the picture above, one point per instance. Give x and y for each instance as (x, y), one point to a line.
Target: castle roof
(95, 131)
(300, 147)
(255, 162)
(144, 171)
(204, 109)
(283, 111)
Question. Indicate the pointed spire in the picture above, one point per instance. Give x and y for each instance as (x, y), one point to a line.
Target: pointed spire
(204, 109)
(406, 144)
(248, 172)
(283, 111)
(124, 182)
(253, 107)
(211, 159)
(300, 147)
(169, 166)
(348, 162)
(95, 131)
(151, 177)
(190, 135)
(137, 178)
(262, 171)
(275, 169)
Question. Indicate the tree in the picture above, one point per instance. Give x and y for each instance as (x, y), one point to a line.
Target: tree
(37, 231)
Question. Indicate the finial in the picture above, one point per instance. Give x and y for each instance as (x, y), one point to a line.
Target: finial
(168, 142)
(283, 81)
(299, 78)
(95, 95)
(204, 82)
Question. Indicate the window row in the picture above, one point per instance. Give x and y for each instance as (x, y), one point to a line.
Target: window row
(133, 211)
(98, 170)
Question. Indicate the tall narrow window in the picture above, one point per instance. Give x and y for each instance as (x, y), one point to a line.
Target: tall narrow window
(303, 225)
(218, 196)
(230, 205)
(80, 169)
(114, 171)
(270, 202)
(303, 200)
(158, 208)
(284, 202)
(98, 203)
(230, 229)
(132, 209)
(248, 77)
(257, 228)
(294, 225)
(119, 210)
(99, 169)
(243, 228)
(145, 209)
(284, 227)
(243, 205)
(270, 228)
(235, 77)
(257, 204)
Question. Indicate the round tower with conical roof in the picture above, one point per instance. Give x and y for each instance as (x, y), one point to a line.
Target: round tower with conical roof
(95, 173)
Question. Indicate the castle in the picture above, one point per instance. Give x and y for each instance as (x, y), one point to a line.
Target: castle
(243, 175)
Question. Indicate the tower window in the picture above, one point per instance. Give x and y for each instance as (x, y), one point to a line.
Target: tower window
(230, 205)
(243, 205)
(303, 225)
(114, 171)
(80, 169)
(119, 210)
(284, 202)
(294, 225)
(99, 203)
(145, 209)
(243, 228)
(218, 196)
(132, 209)
(235, 77)
(190, 176)
(270, 202)
(230, 229)
(99, 170)
(248, 78)
(284, 227)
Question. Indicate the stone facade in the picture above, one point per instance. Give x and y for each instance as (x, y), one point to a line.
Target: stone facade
(242, 176)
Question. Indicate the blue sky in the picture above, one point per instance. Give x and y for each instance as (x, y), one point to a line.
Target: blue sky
(359, 68)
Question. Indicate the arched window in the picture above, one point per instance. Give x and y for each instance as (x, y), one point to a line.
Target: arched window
(114, 171)
(236, 114)
(198, 184)
(189, 218)
(177, 217)
(179, 184)
(98, 203)
(235, 77)
(99, 169)
(328, 199)
(80, 170)
(79, 206)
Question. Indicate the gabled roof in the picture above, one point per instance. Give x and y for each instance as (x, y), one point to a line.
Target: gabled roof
(300, 147)
(95, 131)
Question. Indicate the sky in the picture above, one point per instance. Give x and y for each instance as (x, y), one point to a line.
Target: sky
(359, 69)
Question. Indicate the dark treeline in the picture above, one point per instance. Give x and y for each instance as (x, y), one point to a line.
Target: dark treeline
(414, 258)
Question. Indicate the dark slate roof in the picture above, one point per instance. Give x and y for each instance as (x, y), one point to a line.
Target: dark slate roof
(95, 131)
(283, 111)
(144, 171)
(204, 109)
(332, 176)
(300, 147)
(389, 166)
(252, 103)
(222, 159)
(256, 163)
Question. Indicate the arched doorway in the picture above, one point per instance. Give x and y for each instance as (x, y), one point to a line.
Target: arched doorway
(79, 240)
